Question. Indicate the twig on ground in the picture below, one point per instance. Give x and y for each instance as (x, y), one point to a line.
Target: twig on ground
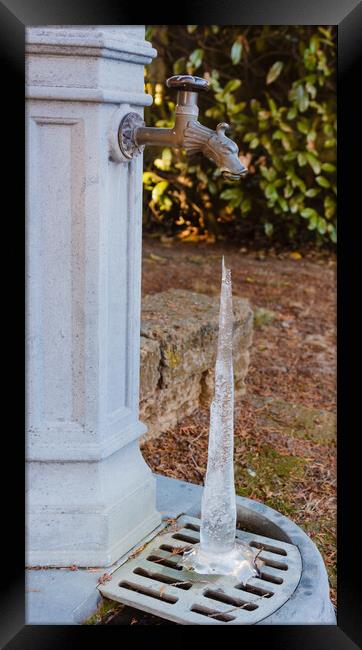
(227, 611)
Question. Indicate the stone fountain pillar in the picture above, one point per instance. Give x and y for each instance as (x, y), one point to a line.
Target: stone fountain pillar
(90, 494)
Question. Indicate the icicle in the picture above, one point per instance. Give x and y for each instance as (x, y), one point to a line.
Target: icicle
(218, 551)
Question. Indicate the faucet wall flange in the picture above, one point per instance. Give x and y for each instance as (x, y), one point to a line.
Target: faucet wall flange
(126, 135)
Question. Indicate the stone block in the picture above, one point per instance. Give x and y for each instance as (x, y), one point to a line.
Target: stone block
(179, 332)
(167, 406)
(150, 366)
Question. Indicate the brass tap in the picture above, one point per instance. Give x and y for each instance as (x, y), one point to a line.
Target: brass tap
(187, 133)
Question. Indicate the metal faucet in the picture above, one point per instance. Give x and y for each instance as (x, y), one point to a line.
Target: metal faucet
(187, 133)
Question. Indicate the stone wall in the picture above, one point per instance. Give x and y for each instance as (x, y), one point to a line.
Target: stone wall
(178, 350)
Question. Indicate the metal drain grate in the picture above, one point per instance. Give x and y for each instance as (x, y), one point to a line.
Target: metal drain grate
(153, 581)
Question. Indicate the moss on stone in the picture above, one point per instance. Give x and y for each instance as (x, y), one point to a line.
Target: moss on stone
(172, 358)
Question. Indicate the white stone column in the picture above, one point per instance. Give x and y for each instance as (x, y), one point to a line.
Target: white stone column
(90, 494)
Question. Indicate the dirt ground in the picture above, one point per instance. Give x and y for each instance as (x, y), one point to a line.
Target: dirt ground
(285, 439)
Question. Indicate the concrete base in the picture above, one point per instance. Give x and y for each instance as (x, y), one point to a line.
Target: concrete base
(62, 596)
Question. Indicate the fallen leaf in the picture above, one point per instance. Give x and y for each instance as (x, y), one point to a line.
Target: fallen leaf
(104, 578)
(158, 258)
(179, 550)
(295, 255)
(136, 552)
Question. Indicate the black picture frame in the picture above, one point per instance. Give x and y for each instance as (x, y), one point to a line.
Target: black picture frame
(347, 16)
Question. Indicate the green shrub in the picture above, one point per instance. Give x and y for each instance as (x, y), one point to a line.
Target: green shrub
(276, 87)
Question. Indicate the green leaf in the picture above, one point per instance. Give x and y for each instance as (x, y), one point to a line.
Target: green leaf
(165, 203)
(302, 160)
(322, 181)
(285, 127)
(202, 176)
(231, 85)
(254, 143)
(278, 135)
(286, 144)
(297, 182)
(215, 112)
(325, 32)
(311, 89)
(308, 213)
(292, 113)
(313, 221)
(311, 136)
(270, 192)
(236, 52)
(310, 59)
(196, 58)
(158, 190)
(268, 229)
(212, 188)
(255, 106)
(302, 126)
(273, 107)
(179, 65)
(283, 204)
(328, 167)
(268, 173)
(149, 179)
(288, 191)
(164, 163)
(302, 98)
(234, 195)
(312, 192)
(294, 204)
(314, 43)
(274, 72)
(231, 193)
(322, 226)
(329, 207)
(248, 137)
(290, 156)
(314, 162)
(328, 130)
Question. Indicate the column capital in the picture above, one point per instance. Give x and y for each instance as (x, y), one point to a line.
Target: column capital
(122, 43)
(87, 64)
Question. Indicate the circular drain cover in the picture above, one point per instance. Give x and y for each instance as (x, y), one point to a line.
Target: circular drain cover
(154, 582)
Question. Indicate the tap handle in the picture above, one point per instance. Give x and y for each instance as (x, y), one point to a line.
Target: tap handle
(222, 127)
(187, 82)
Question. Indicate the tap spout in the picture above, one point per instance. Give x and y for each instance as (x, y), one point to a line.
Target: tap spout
(216, 146)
